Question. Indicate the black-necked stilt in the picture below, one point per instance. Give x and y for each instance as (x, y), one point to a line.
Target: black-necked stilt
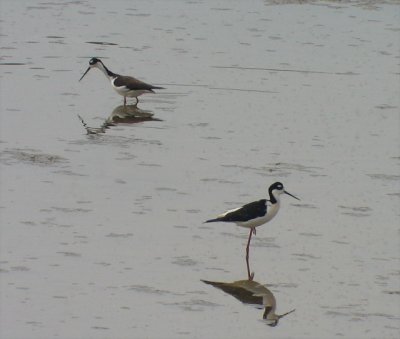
(252, 292)
(255, 213)
(124, 85)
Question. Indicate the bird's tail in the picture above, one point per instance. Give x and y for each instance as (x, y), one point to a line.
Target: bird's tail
(157, 87)
(212, 220)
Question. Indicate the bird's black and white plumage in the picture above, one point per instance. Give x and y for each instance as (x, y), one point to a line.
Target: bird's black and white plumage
(255, 214)
(126, 86)
(250, 215)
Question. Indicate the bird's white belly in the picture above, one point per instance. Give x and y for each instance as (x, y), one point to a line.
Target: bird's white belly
(272, 210)
(126, 92)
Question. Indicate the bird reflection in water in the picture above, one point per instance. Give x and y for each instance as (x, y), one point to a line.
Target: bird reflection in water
(252, 292)
(129, 114)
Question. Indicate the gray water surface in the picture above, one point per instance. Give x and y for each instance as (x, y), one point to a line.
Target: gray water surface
(102, 233)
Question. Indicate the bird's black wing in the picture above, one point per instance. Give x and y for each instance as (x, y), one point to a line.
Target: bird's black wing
(133, 83)
(247, 212)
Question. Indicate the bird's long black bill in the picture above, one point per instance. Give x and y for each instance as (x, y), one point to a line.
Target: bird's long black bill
(292, 195)
(84, 73)
(282, 315)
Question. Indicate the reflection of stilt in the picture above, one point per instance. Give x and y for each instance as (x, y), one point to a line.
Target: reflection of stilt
(94, 130)
(127, 114)
(249, 275)
(130, 114)
(137, 101)
(252, 292)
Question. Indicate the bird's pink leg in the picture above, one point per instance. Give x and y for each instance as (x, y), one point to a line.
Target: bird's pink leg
(250, 275)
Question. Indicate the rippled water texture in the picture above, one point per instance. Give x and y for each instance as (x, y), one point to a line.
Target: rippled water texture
(102, 207)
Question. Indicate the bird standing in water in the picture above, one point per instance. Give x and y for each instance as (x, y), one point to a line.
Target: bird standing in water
(124, 85)
(256, 213)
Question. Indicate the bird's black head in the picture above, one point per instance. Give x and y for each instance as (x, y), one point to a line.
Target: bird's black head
(276, 186)
(275, 190)
(94, 61)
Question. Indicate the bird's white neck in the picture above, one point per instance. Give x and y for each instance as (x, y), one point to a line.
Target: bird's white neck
(110, 75)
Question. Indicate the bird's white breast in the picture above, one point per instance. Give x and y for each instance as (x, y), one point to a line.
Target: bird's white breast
(272, 210)
(125, 91)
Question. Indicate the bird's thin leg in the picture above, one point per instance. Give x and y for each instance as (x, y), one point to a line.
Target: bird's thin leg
(124, 101)
(250, 275)
(137, 101)
(248, 244)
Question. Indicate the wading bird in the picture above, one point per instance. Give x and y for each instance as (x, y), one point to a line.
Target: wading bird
(255, 213)
(124, 85)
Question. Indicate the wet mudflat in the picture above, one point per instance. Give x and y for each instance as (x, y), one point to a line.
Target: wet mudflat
(102, 207)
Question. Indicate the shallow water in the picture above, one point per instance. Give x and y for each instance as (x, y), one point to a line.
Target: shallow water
(102, 232)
